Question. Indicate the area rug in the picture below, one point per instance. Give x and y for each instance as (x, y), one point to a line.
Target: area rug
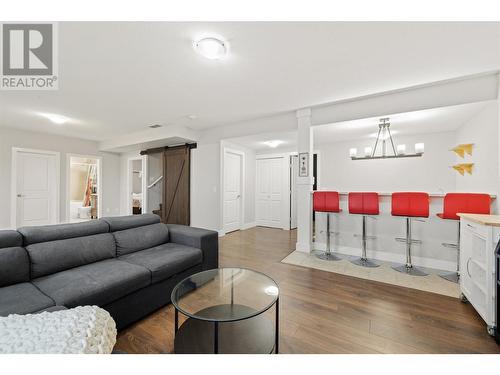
(385, 274)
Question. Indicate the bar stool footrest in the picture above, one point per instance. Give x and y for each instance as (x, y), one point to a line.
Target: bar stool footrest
(401, 239)
(366, 237)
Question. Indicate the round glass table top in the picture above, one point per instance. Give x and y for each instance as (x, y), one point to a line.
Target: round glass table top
(225, 294)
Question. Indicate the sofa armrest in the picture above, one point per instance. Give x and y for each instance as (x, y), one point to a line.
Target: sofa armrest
(206, 240)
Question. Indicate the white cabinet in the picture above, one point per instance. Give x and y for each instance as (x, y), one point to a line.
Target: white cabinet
(477, 267)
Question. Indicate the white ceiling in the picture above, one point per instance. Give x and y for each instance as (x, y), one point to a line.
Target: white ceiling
(257, 142)
(418, 122)
(117, 77)
(434, 120)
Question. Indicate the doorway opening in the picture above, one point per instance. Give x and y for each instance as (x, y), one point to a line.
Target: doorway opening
(84, 188)
(136, 186)
(233, 186)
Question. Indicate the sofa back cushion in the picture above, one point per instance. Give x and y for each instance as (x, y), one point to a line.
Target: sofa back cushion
(14, 262)
(132, 221)
(10, 238)
(46, 233)
(54, 256)
(140, 238)
(54, 248)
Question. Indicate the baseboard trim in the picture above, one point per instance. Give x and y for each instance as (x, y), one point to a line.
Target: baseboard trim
(385, 256)
(221, 232)
(248, 225)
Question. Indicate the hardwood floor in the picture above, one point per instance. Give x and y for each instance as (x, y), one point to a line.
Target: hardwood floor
(323, 312)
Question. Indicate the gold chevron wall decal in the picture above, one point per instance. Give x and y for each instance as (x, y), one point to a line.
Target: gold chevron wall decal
(463, 168)
(463, 149)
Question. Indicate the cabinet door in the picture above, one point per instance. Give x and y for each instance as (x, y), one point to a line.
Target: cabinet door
(473, 266)
(465, 255)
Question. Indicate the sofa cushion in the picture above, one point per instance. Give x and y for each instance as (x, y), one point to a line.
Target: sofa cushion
(140, 238)
(166, 260)
(45, 233)
(10, 238)
(23, 298)
(131, 221)
(14, 266)
(54, 256)
(94, 284)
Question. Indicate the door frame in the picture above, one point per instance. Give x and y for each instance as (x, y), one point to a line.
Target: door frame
(292, 155)
(68, 183)
(242, 185)
(143, 159)
(13, 182)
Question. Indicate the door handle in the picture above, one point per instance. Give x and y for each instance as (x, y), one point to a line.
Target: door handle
(467, 267)
(20, 195)
(238, 196)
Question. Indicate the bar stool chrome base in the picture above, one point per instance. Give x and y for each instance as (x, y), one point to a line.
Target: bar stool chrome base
(364, 262)
(328, 256)
(454, 277)
(409, 270)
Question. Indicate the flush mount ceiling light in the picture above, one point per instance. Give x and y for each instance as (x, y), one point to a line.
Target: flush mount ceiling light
(55, 118)
(211, 48)
(384, 135)
(273, 144)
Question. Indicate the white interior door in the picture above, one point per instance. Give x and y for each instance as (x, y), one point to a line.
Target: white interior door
(269, 192)
(232, 191)
(294, 171)
(36, 188)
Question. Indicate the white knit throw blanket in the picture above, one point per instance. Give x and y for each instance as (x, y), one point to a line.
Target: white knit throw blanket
(82, 330)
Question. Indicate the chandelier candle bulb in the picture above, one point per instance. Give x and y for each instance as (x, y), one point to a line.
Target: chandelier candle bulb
(401, 149)
(419, 148)
(353, 152)
(368, 151)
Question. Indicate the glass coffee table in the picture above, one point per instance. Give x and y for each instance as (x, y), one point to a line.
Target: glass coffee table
(225, 310)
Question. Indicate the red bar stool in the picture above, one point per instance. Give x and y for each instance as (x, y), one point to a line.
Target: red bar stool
(410, 205)
(329, 202)
(465, 203)
(365, 204)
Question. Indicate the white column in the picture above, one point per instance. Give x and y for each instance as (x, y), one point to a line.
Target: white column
(304, 184)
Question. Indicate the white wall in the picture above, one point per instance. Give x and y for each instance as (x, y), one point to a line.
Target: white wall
(205, 186)
(482, 130)
(430, 173)
(10, 137)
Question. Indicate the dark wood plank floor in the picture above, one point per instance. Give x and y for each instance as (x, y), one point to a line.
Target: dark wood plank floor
(322, 312)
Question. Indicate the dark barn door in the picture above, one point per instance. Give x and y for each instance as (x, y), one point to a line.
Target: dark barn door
(176, 166)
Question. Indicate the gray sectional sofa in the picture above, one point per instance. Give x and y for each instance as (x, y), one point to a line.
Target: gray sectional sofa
(127, 265)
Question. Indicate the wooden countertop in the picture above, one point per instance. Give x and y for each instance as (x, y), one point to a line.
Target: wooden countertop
(490, 220)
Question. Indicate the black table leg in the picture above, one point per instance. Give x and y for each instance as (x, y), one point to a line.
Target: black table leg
(216, 337)
(277, 333)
